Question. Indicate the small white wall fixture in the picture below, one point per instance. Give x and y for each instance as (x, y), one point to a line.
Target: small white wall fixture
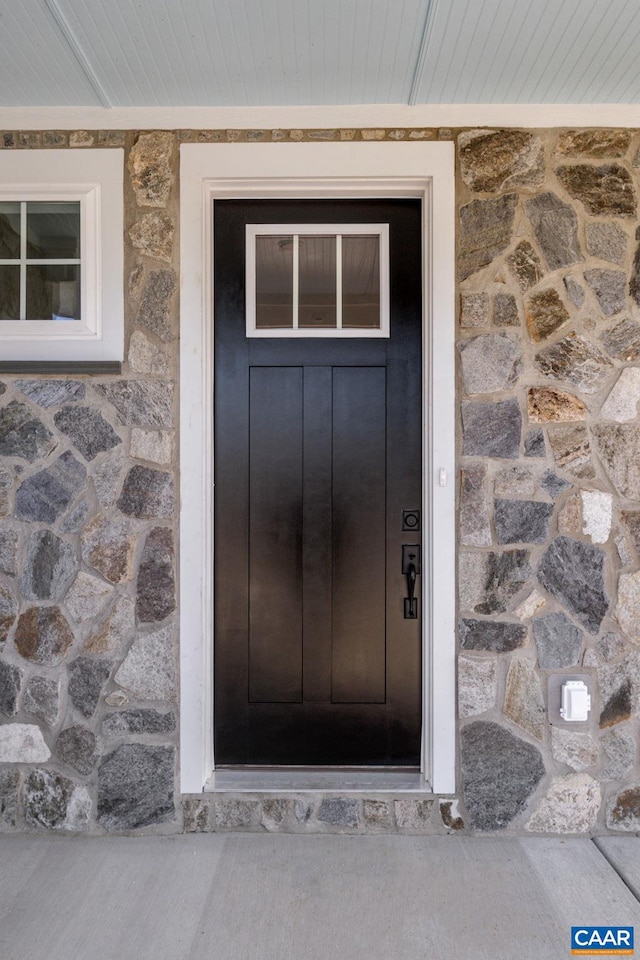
(209, 172)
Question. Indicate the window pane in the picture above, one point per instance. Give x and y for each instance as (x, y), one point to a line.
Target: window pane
(361, 282)
(53, 231)
(9, 231)
(317, 297)
(53, 292)
(9, 293)
(274, 282)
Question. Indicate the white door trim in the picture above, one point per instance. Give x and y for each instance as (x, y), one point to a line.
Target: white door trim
(210, 171)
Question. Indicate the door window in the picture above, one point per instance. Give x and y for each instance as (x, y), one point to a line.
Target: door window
(315, 280)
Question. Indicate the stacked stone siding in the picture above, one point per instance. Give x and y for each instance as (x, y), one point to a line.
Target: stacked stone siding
(88, 521)
(549, 342)
(548, 264)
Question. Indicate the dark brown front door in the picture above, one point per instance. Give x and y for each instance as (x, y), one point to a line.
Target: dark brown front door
(317, 454)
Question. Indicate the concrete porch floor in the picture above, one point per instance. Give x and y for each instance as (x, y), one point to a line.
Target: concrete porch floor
(254, 897)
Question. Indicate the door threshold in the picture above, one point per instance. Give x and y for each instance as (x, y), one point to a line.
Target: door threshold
(319, 780)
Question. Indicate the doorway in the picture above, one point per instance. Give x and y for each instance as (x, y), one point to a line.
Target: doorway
(210, 173)
(318, 487)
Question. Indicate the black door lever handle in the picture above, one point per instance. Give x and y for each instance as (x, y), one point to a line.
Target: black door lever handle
(411, 569)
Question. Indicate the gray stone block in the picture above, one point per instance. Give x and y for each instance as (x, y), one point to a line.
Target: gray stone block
(87, 429)
(489, 363)
(42, 699)
(195, 815)
(147, 493)
(570, 806)
(610, 288)
(499, 774)
(555, 225)
(505, 310)
(413, 814)
(153, 236)
(50, 566)
(571, 449)
(607, 241)
(558, 641)
(8, 612)
(139, 721)
(492, 429)
(136, 787)
(620, 748)
(155, 589)
(476, 685)
(534, 445)
(87, 678)
(619, 449)
(46, 796)
(522, 521)
(377, 813)
(9, 538)
(9, 787)
(22, 434)
(575, 292)
(485, 230)
(573, 572)
(277, 813)
(233, 814)
(623, 340)
(44, 496)
(155, 306)
(51, 393)
(474, 309)
(475, 528)
(141, 403)
(552, 484)
(338, 811)
(76, 746)
(10, 683)
(494, 635)
(148, 671)
(488, 581)
(525, 265)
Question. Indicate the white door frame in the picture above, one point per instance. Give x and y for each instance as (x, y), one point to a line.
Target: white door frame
(307, 170)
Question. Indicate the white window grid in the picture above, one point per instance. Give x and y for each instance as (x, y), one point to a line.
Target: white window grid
(23, 261)
(296, 230)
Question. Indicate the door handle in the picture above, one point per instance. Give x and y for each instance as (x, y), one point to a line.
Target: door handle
(411, 569)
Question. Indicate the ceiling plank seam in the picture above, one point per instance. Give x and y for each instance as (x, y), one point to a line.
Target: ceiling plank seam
(421, 61)
(76, 48)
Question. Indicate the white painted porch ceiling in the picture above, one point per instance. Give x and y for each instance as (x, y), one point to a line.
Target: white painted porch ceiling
(158, 53)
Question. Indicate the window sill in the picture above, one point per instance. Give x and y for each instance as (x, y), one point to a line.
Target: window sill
(62, 367)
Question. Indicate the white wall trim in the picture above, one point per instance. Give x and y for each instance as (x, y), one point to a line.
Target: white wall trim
(306, 170)
(94, 178)
(320, 117)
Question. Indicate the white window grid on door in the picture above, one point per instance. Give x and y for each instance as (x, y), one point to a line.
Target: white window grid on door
(23, 261)
(296, 230)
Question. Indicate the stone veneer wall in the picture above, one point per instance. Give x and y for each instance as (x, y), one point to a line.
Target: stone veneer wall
(549, 382)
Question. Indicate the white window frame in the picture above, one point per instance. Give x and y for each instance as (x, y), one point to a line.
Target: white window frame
(94, 178)
(338, 230)
(211, 172)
